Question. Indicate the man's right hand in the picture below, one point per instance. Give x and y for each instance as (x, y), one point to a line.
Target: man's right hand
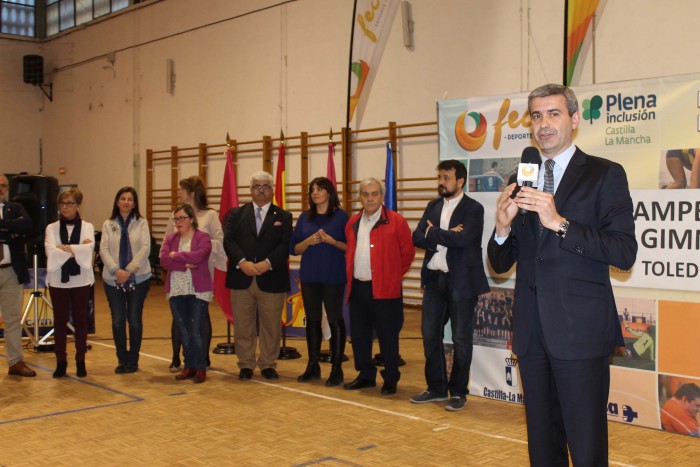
(248, 268)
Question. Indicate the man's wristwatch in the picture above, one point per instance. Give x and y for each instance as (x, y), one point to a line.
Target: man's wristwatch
(563, 228)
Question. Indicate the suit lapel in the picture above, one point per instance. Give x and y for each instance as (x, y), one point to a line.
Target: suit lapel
(269, 219)
(572, 175)
(249, 216)
(436, 212)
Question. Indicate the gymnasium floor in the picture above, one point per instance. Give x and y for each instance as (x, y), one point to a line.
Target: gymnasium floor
(149, 418)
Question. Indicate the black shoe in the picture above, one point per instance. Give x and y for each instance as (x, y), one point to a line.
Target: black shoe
(245, 374)
(335, 378)
(270, 373)
(359, 383)
(313, 371)
(389, 388)
(120, 369)
(80, 371)
(60, 369)
(131, 368)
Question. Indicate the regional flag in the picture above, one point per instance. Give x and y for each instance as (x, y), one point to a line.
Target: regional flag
(229, 199)
(390, 180)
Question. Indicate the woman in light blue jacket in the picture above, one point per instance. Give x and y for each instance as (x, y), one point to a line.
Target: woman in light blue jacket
(124, 249)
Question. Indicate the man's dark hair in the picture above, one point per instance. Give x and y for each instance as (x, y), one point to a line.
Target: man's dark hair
(556, 90)
(690, 391)
(459, 168)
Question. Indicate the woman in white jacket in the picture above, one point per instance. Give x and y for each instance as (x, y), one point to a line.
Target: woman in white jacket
(69, 244)
(124, 248)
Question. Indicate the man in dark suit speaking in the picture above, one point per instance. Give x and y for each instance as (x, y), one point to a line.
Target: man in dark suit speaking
(452, 277)
(256, 240)
(577, 224)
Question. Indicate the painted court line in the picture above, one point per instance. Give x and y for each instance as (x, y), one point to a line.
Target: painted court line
(439, 426)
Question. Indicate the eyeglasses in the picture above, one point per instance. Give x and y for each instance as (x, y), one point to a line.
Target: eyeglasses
(64, 204)
(261, 187)
(3, 185)
(181, 219)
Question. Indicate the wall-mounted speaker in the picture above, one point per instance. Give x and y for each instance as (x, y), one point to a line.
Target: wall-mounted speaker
(33, 69)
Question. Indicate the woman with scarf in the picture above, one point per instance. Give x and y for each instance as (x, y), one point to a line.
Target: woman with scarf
(189, 288)
(124, 249)
(69, 244)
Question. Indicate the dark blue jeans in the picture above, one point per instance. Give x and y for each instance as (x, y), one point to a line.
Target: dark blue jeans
(127, 307)
(440, 304)
(190, 314)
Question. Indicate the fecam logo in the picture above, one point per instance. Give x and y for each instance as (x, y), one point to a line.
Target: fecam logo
(475, 139)
(591, 108)
(628, 414)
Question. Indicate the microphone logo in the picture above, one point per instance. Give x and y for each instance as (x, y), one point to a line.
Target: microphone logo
(527, 173)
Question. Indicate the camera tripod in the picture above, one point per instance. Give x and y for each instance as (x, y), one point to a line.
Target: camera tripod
(41, 343)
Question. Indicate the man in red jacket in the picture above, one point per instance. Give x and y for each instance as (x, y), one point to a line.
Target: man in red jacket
(379, 253)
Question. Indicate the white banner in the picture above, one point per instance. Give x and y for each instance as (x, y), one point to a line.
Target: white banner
(651, 127)
(371, 27)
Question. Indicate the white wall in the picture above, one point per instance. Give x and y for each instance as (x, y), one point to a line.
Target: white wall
(285, 67)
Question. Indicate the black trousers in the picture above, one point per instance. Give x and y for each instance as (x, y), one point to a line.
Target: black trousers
(367, 316)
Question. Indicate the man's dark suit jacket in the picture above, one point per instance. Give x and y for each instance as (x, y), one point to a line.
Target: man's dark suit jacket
(464, 253)
(569, 279)
(14, 227)
(242, 242)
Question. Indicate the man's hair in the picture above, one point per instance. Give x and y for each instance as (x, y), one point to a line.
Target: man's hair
(690, 391)
(74, 193)
(261, 175)
(369, 181)
(189, 211)
(135, 210)
(459, 168)
(556, 90)
(195, 185)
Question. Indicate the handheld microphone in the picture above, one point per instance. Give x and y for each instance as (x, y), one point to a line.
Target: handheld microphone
(528, 170)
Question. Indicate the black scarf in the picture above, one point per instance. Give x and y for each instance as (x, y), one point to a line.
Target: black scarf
(70, 267)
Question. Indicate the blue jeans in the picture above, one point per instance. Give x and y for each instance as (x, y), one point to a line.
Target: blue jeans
(190, 314)
(127, 307)
(440, 304)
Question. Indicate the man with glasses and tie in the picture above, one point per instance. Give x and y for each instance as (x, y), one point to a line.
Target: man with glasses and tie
(256, 240)
(15, 224)
(576, 224)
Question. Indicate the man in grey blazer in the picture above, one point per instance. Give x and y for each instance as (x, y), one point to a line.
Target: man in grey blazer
(578, 223)
(452, 278)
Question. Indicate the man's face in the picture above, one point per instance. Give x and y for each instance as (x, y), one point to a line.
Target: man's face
(692, 406)
(371, 196)
(4, 188)
(551, 124)
(448, 185)
(261, 191)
